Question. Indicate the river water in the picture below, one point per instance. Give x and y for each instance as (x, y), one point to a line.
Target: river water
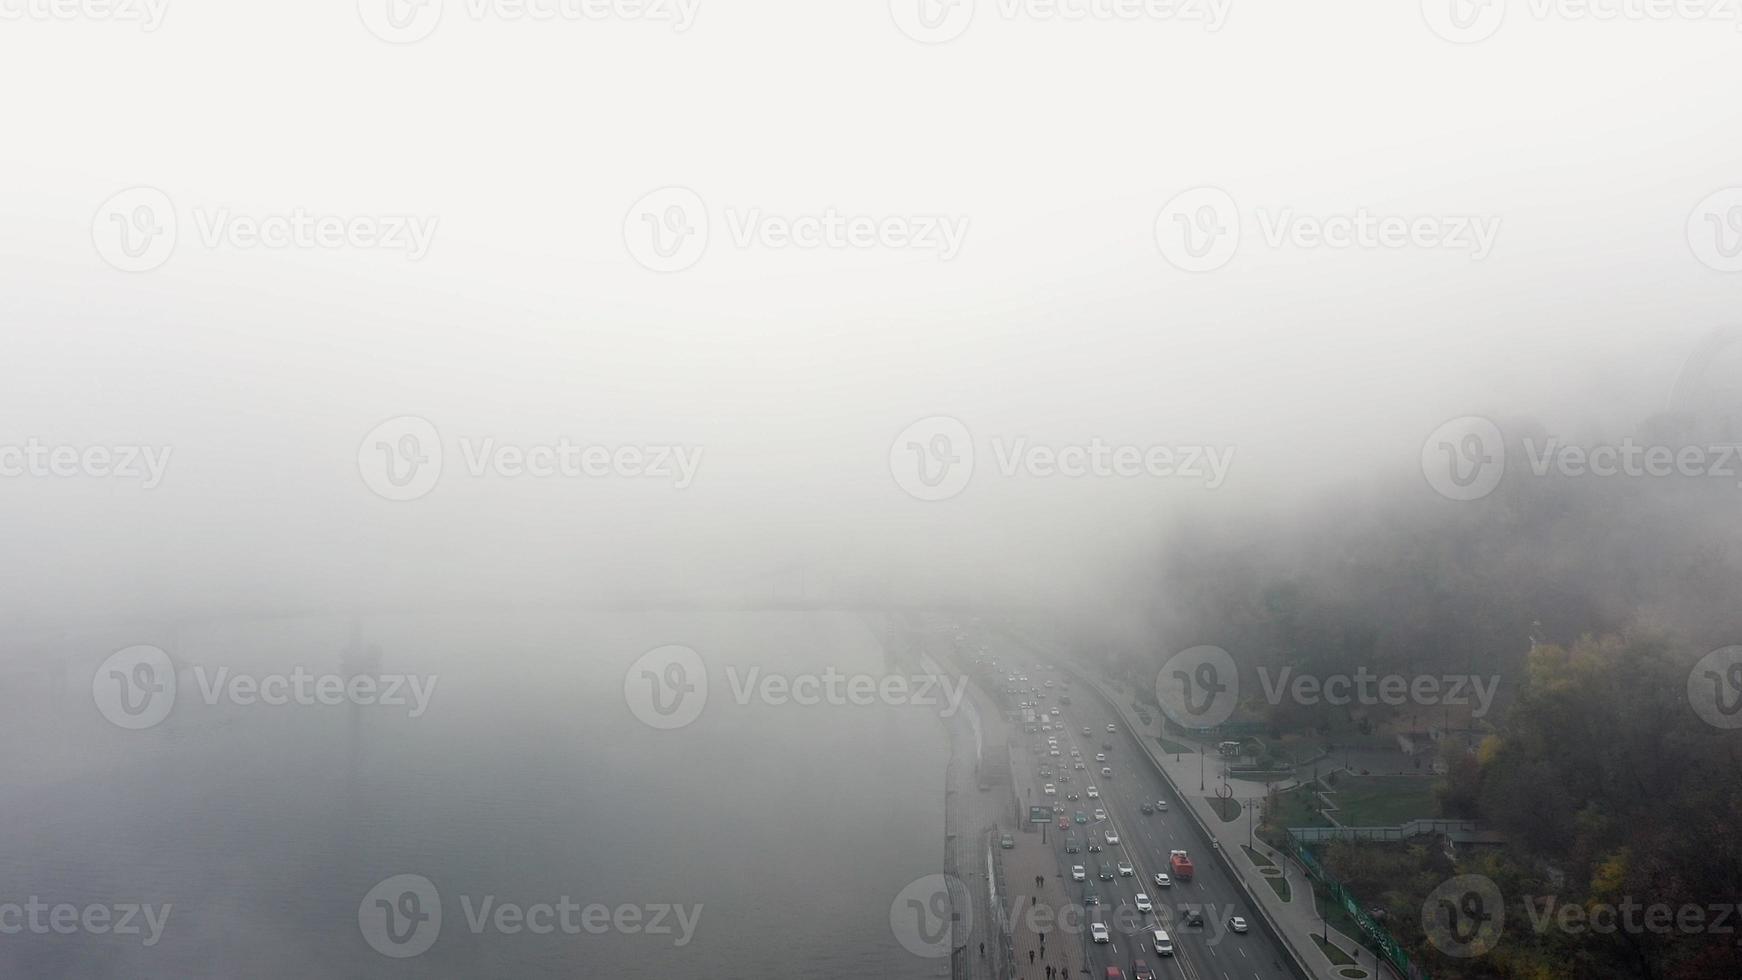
(783, 831)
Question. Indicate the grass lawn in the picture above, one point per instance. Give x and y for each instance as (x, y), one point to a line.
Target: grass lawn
(1297, 808)
(1333, 952)
(1257, 857)
(1279, 885)
(1381, 801)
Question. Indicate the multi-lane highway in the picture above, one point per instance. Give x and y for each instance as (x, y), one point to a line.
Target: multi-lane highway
(1207, 952)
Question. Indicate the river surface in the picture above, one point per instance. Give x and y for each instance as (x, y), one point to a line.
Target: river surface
(526, 780)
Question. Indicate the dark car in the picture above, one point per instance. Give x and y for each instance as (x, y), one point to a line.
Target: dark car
(1194, 917)
(1007, 842)
(1147, 808)
(1141, 971)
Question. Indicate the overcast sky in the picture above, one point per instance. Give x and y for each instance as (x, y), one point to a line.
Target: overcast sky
(1015, 177)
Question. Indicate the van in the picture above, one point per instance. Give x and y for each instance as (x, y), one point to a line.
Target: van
(1163, 945)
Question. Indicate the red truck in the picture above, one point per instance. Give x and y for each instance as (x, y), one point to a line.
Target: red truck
(1181, 866)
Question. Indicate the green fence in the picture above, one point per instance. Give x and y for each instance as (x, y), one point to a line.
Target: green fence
(1383, 941)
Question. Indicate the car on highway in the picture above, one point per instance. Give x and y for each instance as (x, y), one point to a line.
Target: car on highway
(1078, 765)
(1162, 880)
(1094, 794)
(1111, 728)
(1114, 973)
(1082, 817)
(1126, 870)
(1079, 873)
(1103, 872)
(1064, 823)
(1193, 917)
(1100, 814)
(1161, 805)
(1143, 903)
(1086, 730)
(1237, 924)
(1089, 896)
(1098, 932)
(1095, 845)
(1147, 809)
(1141, 971)
(1007, 842)
(1053, 751)
(1107, 771)
(1049, 789)
(1072, 796)
(1100, 757)
(1162, 942)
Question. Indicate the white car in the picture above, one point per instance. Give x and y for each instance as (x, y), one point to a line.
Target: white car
(1098, 932)
(1054, 751)
(1094, 794)
(1161, 805)
(1100, 757)
(1100, 814)
(1112, 728)
(1050, 790)
(1106, 771)
(1079, 873)
(1143, 904)
(1078, 765)
(1126, 870)
(1237, 924)
(1086, 730)
(1113, 837)
(1163, 944)
(1162, 880)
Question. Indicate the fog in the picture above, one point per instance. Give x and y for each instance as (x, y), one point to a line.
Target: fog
(1001, 268)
